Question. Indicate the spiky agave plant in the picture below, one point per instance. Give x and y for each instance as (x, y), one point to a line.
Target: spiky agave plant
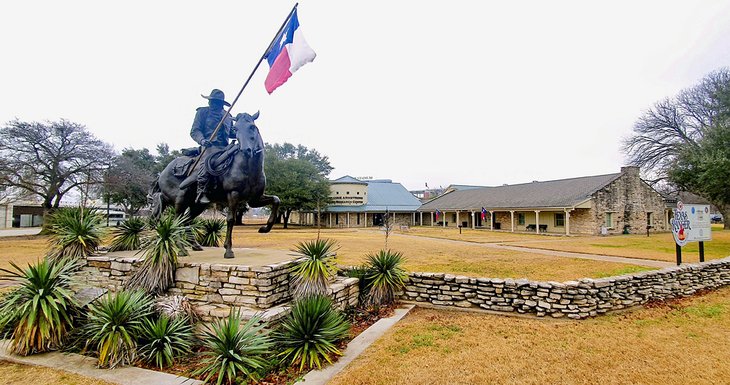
(113, 326)
(313, 272)
(39, 309)
(386, 276)
(161, 248)
(164, 339)
(210, 230)
(308, 335)
(128, 235)
(175, 306)
(233, 351)
(74, 232)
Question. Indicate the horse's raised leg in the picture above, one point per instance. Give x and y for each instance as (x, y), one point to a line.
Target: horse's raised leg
(265, 200)
(230, 221)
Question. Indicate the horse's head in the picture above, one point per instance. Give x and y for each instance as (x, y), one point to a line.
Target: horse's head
(247, 134)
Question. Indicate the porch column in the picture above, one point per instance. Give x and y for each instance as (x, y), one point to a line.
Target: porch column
(366, 219)
(443, 220)
(512, 219)
(330, 224)
(421, 222)
(473, 223)
(348, 219)
(491, 220)
(567, 222)
(457, 218)
(393, 218)
(432, 221)
(413, 219)
(537, 221)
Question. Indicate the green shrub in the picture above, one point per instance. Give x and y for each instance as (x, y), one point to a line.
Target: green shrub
(162, 340)
(161, 247)
(39, 309)
(309, 333)
(113, 326)
(312, 274)
(209, 231)
(386, 276)
(74, 232)
(233, 350)
(128, 235)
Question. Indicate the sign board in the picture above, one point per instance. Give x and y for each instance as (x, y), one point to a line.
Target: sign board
(691, 223)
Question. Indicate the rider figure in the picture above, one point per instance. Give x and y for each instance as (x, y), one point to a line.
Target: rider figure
(206, 120)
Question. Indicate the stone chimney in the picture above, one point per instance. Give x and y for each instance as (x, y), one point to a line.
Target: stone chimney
(631, 171)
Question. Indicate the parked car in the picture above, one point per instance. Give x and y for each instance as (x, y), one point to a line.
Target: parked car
(716, 218)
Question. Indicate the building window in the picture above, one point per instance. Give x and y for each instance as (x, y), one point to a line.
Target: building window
(609, 220)
(559, 220)
(337, 192)
(358, 218)
(521, 219)
(337, 219)
(358, 193)
(650, 219)
(348, 193)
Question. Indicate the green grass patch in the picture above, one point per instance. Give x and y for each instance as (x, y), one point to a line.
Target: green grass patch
(621, 271)
(705, 311)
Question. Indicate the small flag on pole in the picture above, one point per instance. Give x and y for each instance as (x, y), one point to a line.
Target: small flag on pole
(289, 52)
(484, 214)
(437, 214)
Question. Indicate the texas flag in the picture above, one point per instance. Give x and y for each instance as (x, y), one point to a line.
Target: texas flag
(484, 214)
(437, 214)
(287, 54)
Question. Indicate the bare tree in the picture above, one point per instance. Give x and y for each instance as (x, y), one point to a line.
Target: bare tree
(49, 159)
(671, 125)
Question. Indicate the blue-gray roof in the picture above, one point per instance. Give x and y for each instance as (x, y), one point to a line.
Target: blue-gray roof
(347, 179)
(383, 195)
(554, 193)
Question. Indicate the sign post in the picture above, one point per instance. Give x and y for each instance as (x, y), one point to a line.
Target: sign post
(691, 223)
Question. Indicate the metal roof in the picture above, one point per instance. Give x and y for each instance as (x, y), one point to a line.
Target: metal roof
(347, 179)
(383, 195)
(554, 193)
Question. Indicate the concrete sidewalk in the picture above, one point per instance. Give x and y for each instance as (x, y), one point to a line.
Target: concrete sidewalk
(17, 232)
(553, 253)
(86, 366)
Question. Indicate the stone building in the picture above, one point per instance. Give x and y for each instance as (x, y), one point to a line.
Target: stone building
(601, 204)
(365, 203)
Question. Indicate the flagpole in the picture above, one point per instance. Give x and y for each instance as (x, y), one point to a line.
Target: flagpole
(228, 112)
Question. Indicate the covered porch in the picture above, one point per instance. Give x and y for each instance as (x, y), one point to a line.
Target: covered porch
(544, 220)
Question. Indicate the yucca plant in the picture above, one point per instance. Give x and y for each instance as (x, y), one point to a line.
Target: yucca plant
(209, 231)
(164, 339)
(308, 335)
(128, 235)
(161, 247)
(313, 272)
(175, 306)
(39, 309)
(233, 351)
(386, 276)
(74, 232)
(361, 273)
(113, 326)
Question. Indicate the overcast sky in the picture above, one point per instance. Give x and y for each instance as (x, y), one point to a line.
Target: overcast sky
(465, 92)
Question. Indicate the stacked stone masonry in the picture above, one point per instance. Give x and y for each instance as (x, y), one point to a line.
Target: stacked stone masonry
(214, 288)
(572, 299)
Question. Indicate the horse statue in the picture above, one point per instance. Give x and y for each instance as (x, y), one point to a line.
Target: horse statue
(239, 177)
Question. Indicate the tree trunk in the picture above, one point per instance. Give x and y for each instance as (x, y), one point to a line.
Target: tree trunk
(285, 216)
(725, 211)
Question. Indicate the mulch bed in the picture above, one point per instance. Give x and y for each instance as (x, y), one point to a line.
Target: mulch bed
(361, 319)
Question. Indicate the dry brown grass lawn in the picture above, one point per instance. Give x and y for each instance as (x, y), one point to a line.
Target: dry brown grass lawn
(434, 255)
(683, 343)
(22, 250)
(16, 374)
(657, 246)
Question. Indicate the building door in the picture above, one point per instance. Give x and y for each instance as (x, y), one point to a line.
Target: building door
(378, 219)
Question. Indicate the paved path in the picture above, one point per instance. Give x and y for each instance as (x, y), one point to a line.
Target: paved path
(22, 231)
(356, 347)
(86, 366)
(553, 253)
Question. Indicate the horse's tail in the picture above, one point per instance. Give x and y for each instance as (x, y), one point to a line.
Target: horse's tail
(154, 199)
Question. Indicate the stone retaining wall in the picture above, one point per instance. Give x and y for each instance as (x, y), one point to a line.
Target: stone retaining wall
(214, 288)
(573, 299)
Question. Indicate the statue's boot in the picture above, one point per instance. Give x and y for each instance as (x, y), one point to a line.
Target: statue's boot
(202, 187)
